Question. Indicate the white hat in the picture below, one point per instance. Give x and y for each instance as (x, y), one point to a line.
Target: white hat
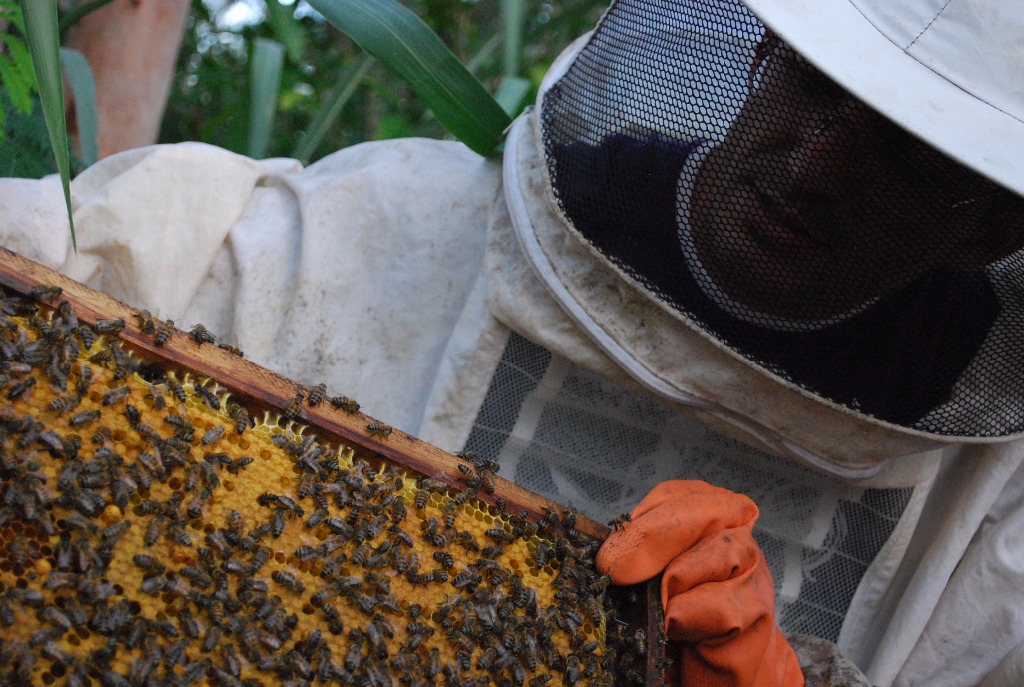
(950, 71)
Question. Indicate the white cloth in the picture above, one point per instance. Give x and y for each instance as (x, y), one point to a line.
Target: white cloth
(389, 271)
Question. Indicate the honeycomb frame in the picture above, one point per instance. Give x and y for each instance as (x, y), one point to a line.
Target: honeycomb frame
(291, 415)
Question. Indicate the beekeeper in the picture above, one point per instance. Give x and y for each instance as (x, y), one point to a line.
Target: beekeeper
(762, 253)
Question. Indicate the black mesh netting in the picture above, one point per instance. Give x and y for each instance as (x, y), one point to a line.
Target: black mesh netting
(733, 180)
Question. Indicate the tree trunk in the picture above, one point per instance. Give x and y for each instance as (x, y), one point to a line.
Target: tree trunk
(132, 47)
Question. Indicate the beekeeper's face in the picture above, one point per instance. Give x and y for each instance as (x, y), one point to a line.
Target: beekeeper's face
(814, 204)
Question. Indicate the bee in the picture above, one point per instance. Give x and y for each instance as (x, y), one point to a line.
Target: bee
(22, 389)
(133, 415)
(379, 429)
(112, 326)
(159, 402)
(445, 559)
(114, 532)
(152, 463)
(187, 622)
(146, 322)
(212, 638)
(241, 417)
(231, 662)
(154, 585)
(466, 579)
(213, 434)
(354, 657)
(318, 516)
(433, 663)
(543, 554)
(462, 661)
(101, 357)
(177, 390)
(116, 394)
(345, 403)
(499, 534)
(155, 529)
(362, 552)
(45, 293)
(405, 661)
(633, 677)
(179, 536)
(199, 502)
(233, 350)
(84, 418)
(87, 335)
(288, 581)
(317, 395)
(294, 407)
(52, 440)
(277, 522)
(466, 541)
(239, 464)
(307, 553)
(201, 335)
(164, 332)
(208, 395)
(334, 623)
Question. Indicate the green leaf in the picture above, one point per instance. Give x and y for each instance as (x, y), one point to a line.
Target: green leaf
(401, 41)
(18, 90)
(12, 13)
(17, 78)
(287, 29)
(83, 87)
(332, 105)
(513, 16)
(43, 35)
(265, 84)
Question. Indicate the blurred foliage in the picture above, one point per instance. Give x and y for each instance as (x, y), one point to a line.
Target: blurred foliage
(24, 142)
(25, 145)
(210, 95)
(16, 75)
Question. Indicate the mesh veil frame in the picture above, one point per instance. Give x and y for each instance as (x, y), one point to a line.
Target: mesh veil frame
(661, 93)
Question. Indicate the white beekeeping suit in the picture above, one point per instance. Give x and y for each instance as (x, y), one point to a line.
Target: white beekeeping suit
(644, 290)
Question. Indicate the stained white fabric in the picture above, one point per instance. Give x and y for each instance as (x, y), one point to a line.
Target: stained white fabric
(391, 272)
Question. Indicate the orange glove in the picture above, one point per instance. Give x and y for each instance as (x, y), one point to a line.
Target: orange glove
(716, 589)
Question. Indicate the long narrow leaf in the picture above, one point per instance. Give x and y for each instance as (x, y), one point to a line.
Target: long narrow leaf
(334, 101)
(400, 40)
(287, 29)
(83, 87)
(43, 36)
(513, 15)
(265, 85)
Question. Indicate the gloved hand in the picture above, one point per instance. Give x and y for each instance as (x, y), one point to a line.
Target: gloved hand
(716, 589)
